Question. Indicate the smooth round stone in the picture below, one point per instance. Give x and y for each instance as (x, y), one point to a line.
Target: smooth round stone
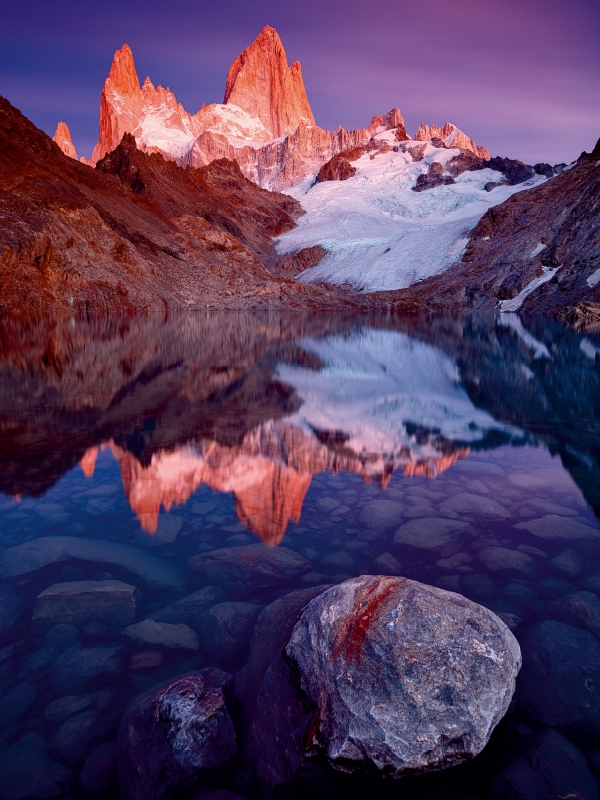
(475, 505)
(478, 587)
(554, 528)
(148, 631)
(339, 562)
(581, 609)
(382, 514)
(226, 629)
(519, 595)
(386, 564)
(550, 588)
(511, 563)
(405, 677)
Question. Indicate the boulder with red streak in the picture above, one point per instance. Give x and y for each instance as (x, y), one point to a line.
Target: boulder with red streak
(62, 137)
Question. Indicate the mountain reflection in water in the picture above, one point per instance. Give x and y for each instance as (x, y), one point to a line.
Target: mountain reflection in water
(462, 453)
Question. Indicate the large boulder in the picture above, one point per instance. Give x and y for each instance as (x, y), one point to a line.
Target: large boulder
(174, 734)
(242, 570)
(559, 684)
(388, 674)
(111, 603)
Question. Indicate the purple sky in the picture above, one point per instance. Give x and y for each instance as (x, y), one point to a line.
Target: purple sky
(521, 77)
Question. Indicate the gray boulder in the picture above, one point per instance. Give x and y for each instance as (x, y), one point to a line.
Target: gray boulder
(382, 514)
(551, 768)
(580, 609)
(111, 603)
(395, 676)
(226, 629)
(78, 667)
(242, 570)
(559, 684)
(172, 735)
(443, 536)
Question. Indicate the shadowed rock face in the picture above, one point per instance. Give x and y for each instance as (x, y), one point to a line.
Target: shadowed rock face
(553, 226)
(136, 233)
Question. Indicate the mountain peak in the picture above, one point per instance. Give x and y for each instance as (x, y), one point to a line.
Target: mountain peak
(123, 77)
(451, 136)
(261, 83)
(62, 137)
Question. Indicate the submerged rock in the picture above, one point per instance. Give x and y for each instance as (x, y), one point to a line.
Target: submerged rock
(241, 570)
(509, 563)
(384, 673)
(171, 735)
(560, 680)
(29, 556)
(111, 603)
(552, 767)
(148, 631)
(98, 773)
(581, 609)
(78, 667)
(28, 772)
(10, 612)
(189, 609)
(554, 528)
(443, 536)
(226, 629)
(16, 702)
(475, 505)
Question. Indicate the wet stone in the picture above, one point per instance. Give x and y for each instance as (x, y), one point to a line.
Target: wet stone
(559, 681)
(550, 588)
(110, 602)
(386, 564)
(42, 659)
(242, 570)
(98, 774)
(554, 528)
(382, 514)
(59, 710)
(474, 505)
(79, 667)
(478, 587)
(16, 702)
(27, 772)
(226, 629)
(452, 583)
(591, 583)
(148, 631)
(166, 532)
(189, 609)
(173, 735)
(77, 735)
(341, 561)
(581, 609)
(443, 536)
(551, 767)
(568, 564)
(10, 612)
(62, 636)
(509, 563)
(519, 595)
(148, 659)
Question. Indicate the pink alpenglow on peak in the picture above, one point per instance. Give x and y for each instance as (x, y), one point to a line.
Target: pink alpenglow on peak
(62, 137)
(452, 137)
(261, 83)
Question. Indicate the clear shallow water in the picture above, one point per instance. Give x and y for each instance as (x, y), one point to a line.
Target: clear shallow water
(146, 442)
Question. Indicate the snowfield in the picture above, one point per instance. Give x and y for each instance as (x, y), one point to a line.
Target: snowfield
(378, 233)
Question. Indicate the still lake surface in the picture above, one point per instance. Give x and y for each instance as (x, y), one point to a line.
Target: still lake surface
(130, 445)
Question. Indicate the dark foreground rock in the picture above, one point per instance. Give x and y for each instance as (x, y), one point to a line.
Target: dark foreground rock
(551, 768)
(241, 570)
(560, 680)
(384, 673)
(172, 735)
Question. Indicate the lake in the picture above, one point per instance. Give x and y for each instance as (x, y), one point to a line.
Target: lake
(462, 452)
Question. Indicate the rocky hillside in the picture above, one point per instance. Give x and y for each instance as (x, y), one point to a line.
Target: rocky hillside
(539, 250)
(137, 232)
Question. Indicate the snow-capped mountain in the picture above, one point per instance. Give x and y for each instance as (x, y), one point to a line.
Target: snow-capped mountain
(378, 233)
(265, 121)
